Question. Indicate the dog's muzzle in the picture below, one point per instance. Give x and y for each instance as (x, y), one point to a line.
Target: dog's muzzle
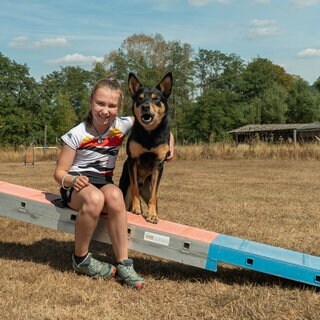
(146, 114)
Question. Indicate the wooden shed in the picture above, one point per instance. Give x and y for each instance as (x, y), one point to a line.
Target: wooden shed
(290, 133)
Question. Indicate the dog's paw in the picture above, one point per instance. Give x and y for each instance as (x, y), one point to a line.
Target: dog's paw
(136, 207)
(152, 219)
(136, 211)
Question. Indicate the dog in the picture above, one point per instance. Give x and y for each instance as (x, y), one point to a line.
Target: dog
(147, 145)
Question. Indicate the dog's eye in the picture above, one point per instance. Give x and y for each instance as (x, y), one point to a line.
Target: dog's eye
(156, 100)
(139, 101)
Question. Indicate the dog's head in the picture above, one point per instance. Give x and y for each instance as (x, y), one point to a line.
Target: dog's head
(150, 105)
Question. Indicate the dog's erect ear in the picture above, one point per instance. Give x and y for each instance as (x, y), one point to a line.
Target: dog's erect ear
(165, 85)
(133, 83)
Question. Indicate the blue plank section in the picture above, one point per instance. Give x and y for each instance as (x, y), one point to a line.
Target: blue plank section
(264, 258)
(212, 262)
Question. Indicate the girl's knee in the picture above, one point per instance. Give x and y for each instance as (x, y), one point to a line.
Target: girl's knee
(114, 200)
(94, 203)
(114, 195)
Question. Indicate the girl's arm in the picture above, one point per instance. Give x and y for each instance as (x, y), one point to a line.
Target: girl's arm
(171, 147)
(61, 173)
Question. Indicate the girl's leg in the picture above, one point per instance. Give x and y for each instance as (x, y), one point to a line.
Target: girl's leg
(89, 203)
(117, 220)
(118, 233)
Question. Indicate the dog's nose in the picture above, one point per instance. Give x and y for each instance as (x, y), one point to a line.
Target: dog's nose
(145, 107)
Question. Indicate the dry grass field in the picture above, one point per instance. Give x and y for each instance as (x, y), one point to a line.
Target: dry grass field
(270, 201)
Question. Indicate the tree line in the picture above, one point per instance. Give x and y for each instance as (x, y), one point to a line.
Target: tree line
(213, 92)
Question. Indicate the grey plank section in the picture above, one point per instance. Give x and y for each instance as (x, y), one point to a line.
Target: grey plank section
(141, 239)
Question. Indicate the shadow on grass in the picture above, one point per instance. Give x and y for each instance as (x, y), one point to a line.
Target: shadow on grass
(57, 254)
(228, 275)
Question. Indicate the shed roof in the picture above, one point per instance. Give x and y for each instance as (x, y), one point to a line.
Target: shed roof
(277, 127)
(310, 126)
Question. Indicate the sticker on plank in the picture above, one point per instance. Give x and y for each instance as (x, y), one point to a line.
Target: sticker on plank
(156, 238)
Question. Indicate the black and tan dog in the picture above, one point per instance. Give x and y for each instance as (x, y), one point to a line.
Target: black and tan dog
(147, 145)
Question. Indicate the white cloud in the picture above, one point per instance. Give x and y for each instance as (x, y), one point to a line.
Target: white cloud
(76, 58)
(263, 28)
(262, 23)
(23, 42)
(262, 1)
(309, 53)
(56, 42)
(304, 3)
(19, 43)
(201, 3)
(264, 32)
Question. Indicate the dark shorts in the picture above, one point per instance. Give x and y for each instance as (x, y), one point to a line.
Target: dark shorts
(66, 194)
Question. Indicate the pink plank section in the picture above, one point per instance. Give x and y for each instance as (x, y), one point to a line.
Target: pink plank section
(23, 192)
(174, 229)
(163, 226)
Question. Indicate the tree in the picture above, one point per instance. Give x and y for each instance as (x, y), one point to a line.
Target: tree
(180, 63)
(213, 92)
(99, 72)
(218, 105)
(273, 105)
(303, 103)
(265, 87)
(141, 54)
(21, 107)
(268, 107)
(212, 116)
(261, 74)
(150, 58)
(214, 69)
(73, 82)
(64, 115)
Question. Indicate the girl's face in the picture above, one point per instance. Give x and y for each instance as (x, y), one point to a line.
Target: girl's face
(105, 106)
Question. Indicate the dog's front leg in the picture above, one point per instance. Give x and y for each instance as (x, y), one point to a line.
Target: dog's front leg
(152, 204)
(133, 172)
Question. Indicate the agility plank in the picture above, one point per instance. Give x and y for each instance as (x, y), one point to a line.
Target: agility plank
(167, 240)
(184, 244)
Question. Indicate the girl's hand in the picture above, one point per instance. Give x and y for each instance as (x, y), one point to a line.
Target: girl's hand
(171, 148)
(80, 182)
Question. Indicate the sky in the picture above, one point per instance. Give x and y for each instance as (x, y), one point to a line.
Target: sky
(48, 35)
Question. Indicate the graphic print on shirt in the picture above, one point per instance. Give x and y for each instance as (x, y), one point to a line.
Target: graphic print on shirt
(105, 152)
(95, 157)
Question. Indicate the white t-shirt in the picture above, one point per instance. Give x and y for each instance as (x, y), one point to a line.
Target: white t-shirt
(93, 159)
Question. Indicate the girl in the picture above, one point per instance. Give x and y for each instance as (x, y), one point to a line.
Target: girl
(84, 171)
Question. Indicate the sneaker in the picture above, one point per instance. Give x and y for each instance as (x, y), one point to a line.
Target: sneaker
(94, 268)
(127, 274)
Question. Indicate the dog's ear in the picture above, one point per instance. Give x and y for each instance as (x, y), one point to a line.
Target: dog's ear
(133, 83)
(165, 85)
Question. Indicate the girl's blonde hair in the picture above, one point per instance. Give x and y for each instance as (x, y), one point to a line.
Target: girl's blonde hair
(110, 83)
